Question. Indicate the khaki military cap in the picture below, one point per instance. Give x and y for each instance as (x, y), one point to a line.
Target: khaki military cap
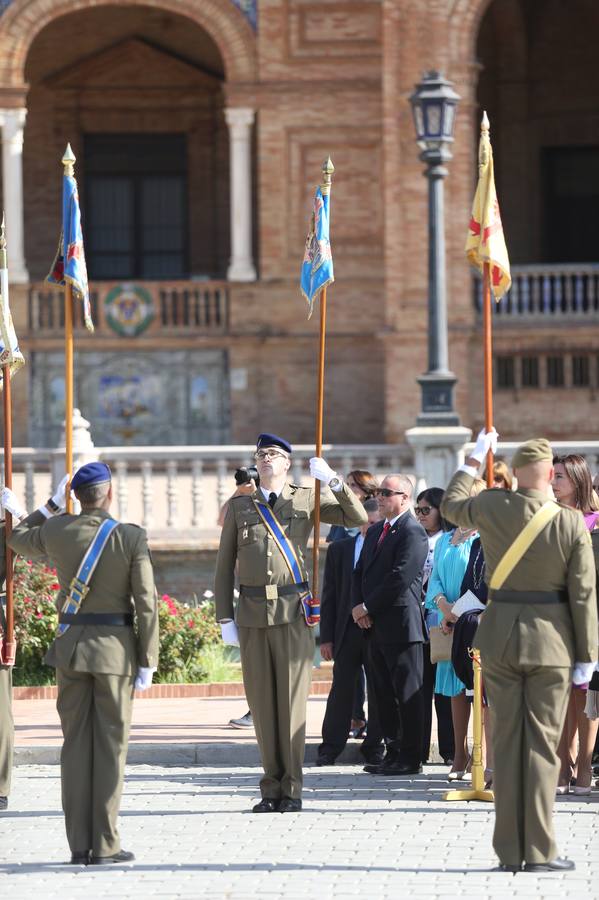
(536, 450)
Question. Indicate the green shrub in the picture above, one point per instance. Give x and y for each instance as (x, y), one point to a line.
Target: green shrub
(185, 631)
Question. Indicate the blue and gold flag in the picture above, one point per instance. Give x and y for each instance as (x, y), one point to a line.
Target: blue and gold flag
(317, 266)
(69, 263)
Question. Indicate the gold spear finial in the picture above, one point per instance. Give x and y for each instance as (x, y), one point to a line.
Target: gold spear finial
(68, 161)
(327, 172)
(485, 143)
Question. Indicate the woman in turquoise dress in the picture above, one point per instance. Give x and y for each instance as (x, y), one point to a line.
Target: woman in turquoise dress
(450, 561)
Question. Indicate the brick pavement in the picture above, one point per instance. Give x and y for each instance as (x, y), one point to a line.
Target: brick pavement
(193, 836)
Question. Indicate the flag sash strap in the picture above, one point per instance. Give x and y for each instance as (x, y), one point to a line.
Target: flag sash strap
(310, 606)
(79, 587)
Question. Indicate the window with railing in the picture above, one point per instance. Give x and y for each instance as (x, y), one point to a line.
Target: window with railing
(136, 206)
(581, 371)
(506, 372)
(529, 371)
(555, 371)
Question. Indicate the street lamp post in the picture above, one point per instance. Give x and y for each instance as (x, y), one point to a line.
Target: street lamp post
(434, 105)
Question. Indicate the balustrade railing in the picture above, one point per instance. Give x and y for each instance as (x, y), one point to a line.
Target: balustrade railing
(178, 306)
(177, 492)
(548, 291)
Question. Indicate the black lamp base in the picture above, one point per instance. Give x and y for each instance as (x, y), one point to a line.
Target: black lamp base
(437, 400)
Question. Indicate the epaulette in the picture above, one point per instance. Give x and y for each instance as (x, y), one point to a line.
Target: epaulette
(299, 487)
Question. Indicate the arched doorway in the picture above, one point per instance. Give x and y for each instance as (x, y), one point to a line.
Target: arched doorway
(139, 94)
(538, 85)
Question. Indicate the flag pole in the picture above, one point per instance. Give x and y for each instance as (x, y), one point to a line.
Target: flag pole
(9, 650)
(488, 364)
(325, 187)
(68, 162)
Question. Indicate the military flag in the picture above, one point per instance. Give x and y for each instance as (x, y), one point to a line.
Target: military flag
(11, 357)
(486, 242)
(317, 265)
(69, 264)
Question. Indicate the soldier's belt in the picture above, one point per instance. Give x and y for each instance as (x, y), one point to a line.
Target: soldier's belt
(272, 591)
(96, 618)
(546, 597)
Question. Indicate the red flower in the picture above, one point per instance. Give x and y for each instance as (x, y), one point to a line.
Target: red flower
(190, 623)
(39, 615)
(55, 586)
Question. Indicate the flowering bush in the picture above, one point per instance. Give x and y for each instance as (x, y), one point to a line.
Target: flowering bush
(184, 630)
(34, 589)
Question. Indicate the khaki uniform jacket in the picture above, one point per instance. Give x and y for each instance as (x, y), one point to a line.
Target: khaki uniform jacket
(245, 538)
(560, 558)
(123, 572)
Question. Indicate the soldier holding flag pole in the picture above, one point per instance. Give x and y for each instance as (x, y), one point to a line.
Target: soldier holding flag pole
(265, 534)
(487, 251)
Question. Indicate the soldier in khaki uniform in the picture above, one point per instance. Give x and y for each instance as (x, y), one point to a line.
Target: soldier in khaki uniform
(7, 733)
(277, 646)
(537, 626)
(97, 659)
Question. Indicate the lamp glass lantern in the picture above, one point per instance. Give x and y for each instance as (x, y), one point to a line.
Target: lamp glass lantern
(433, 107)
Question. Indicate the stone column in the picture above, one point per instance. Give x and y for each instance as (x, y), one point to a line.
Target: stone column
(13, 122)
(240, 120)
(438, 451)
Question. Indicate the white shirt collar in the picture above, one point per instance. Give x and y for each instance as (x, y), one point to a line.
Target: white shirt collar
(392, 522)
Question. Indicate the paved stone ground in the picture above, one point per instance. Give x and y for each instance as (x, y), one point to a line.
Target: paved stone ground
(359, 835)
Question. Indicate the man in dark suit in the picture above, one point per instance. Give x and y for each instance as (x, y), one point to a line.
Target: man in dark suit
(387, 584)
(345, 642)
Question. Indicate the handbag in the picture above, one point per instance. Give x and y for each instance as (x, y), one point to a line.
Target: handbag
(440, 644)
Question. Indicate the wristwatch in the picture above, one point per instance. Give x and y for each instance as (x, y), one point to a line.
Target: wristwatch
(335, 483)
(52, 505)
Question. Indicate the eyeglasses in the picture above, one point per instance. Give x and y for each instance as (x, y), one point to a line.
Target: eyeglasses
(267, 454)
(423, 510)
(385, 492)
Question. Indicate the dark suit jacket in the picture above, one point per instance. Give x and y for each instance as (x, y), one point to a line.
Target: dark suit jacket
(335, 601)
(389, 581)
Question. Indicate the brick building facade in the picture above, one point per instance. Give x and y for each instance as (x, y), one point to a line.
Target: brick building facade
(211, 345)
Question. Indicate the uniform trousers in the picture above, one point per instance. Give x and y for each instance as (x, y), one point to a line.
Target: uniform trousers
(95, 716)
(277, 662)
(7, 730)
(397, 677)
(349, 659)
(528, 707)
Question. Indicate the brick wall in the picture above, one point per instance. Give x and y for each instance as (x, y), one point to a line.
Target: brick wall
(329, 77)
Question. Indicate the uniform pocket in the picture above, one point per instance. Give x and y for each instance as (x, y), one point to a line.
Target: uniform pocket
(249, 528)
(298, 523)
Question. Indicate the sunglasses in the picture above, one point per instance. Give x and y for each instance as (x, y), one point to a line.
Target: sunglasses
(385, 492)
(423, 510)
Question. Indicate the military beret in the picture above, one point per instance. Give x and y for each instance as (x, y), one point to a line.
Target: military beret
(536, 450)
(92, 473)
(272, 440)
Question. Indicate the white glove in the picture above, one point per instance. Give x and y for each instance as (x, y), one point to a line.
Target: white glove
(144, 676)
(583, 672)
(59, 496)
(486, 440)
(229, 633)
(11, 504)
(321, 470)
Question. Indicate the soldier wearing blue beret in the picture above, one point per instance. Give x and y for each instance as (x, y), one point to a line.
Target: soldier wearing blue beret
(265, 533)
(106, 583)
